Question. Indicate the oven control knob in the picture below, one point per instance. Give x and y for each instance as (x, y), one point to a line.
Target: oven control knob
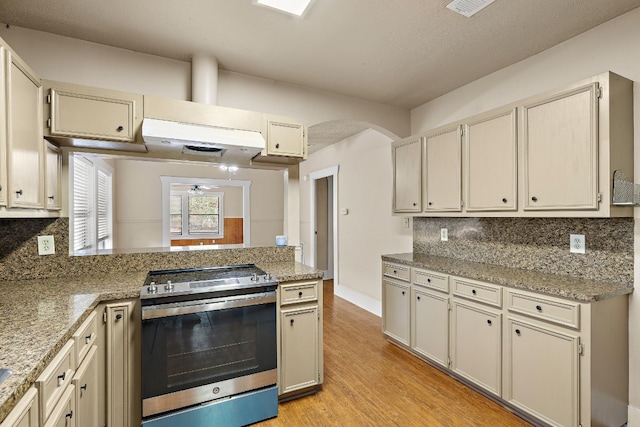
(152, 288)
(169, 286)
(254, 278)
(267, 277)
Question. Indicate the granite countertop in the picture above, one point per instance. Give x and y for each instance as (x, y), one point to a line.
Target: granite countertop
(39, 316)
(550, 284)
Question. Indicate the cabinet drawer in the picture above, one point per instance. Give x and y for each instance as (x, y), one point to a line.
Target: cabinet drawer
(561, 312)
(439, 282)
(477, 291)
(398, 271)
(55, 378)
(299, 292)
(84, 337)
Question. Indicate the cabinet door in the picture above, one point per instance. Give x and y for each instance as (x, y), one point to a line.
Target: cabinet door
(25, 413)
(491, 159)
(443, 174)
(285, 139)
(3, 127)
(53, 168)
(476, 345)
(430, 325)
(120, 368)
(86, 384)
(64, 413)
(560, 140)
(407, 175)
(542, 371)
(25, 174)
(396, 311)
(92, 116)
(299, 340)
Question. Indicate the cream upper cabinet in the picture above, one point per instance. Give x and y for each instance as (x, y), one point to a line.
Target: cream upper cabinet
(25, 157)
(407, 175)
(84, 116)
(285, 138)
(443, 170)
(53, 171)
(490, 168)
(560, 148)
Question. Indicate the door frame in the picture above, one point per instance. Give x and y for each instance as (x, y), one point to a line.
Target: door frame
(313, 176)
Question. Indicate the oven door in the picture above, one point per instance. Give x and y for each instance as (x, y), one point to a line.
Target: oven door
(197, 351)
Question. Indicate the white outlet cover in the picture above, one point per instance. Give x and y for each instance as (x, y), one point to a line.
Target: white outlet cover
(577, 243)
(46, 245)
(444, 234)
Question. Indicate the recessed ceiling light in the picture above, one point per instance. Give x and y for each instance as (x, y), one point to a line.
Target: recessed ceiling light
(293, 7)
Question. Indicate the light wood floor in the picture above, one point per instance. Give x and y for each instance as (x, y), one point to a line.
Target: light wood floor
(370, 382)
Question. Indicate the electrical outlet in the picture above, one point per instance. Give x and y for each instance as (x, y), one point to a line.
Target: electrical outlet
(405, 222)
(444, 234)
(46, 245)
(577, 243)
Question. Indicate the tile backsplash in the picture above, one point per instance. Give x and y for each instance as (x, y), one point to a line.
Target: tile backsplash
(19, 257)
(540, 244)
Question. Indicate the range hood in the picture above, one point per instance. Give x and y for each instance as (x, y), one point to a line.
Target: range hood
(200, 140)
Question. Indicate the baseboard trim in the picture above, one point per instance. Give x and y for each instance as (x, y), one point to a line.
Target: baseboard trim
(365, 302)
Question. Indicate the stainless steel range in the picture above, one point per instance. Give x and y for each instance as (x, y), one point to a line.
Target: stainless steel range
(208, 347)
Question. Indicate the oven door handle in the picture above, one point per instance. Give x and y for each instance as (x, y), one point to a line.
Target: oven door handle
(190, 307)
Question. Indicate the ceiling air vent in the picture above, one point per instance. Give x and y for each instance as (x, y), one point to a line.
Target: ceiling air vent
(468, 8)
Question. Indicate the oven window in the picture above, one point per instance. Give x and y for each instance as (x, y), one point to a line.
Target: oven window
(184, 351)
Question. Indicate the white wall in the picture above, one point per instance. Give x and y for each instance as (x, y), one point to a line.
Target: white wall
(613, 46)
(65, 59)
(369, 230)
(138, 190)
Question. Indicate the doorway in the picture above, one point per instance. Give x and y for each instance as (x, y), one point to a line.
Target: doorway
(324, 221)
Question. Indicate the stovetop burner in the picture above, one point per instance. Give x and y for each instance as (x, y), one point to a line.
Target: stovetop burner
(161, 283)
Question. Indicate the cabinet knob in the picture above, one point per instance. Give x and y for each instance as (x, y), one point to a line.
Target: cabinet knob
(120, 128)
(84, 387)
(19, 193)
(61, 377)
(69, 415)
(429, 203)
(278, 145)
(291, 322)
(118, 316)
(539, 308)
(534, 199)
(52, 197)
(300, 294)
(489, 321)
(473, 291)
(395, 272)
(402, 292)
(428, 280)
(517, 331)
(415, 204)
(0, 187)
(504, 200)
(418, 297)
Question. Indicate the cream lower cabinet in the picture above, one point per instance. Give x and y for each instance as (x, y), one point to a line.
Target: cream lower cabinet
(396, 310)
(87, 390)
(64, 413)
(476, 345)
(25, 413)
(300, 360)
(550, 359)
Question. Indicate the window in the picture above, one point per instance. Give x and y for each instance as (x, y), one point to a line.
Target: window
(91, 225)
(195, 213)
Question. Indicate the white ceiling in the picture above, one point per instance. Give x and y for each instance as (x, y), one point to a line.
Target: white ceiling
(398, 52)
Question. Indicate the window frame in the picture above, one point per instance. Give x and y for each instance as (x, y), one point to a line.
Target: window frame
(184, 195)
(166, 182)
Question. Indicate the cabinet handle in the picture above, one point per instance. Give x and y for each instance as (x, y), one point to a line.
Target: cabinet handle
(504, 200)
(61, 378)
(52, 197)
(118, 316)
(69, 415)
(517, 331)
(278, 145)
(300, 294)
(291, 322)
(84, 387)
(534, 199)
(0, 187)
(88, 338)
(120, 128)
(473, 291)
(539, 308)
(489, 321)
(19, 193)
